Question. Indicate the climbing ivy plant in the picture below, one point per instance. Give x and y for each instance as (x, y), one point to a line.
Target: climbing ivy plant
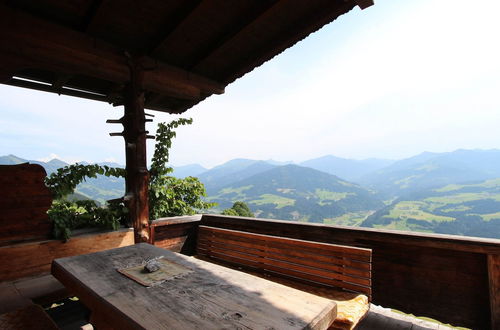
(67, 215)
(168, 196)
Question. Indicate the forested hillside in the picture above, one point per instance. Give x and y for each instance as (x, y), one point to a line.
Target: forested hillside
(294, 192)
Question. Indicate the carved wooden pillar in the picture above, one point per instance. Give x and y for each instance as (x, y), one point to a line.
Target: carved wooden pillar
(134, 134)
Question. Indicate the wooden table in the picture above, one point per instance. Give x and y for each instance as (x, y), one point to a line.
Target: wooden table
(210, 297)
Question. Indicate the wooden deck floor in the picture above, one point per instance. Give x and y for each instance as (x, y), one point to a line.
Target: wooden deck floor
(384, 318)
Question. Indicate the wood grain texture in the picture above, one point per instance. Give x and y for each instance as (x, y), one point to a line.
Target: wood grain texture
(289, 257)
(24, 203)
(494, 277)
(177, 234)
(440, 276)
(30, 317)
(31, 259)
(213, 297)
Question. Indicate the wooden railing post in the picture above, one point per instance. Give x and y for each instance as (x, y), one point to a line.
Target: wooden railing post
(494, 279)
(134, 133)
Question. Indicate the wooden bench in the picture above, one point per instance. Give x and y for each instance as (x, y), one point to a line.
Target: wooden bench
(341, 273)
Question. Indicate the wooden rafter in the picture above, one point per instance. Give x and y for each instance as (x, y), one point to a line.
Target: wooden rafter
(170, 24)
(21, 34)
(90, 14)
(49, 88)
(60, 81)
(363, 4)
(95, 16)
(259, 9)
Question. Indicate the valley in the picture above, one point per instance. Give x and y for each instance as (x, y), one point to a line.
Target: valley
(451, 193)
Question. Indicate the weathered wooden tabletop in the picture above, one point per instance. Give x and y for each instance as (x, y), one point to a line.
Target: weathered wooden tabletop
(210, 297)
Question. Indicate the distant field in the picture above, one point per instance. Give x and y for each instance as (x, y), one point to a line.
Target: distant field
(279, 201)
(349, 219)
(467, 209)
(414, 210)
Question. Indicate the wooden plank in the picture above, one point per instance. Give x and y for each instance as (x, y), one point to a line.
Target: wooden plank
(327, 259)
(333, 258)
(211, 297)
(494, 279)
(208, 236)
(25, 204)
(173, 231)
(319, 274)
(177, 234)
(30, 259)
(287, 245)
(290, 270)
(22, 202)
(335, 265)
(315, 247)
(191, 219)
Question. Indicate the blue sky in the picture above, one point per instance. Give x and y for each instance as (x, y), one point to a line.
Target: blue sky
(394, 80)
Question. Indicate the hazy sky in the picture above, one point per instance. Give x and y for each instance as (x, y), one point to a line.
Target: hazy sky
(394, 80)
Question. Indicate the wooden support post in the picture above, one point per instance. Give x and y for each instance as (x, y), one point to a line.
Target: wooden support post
(134, 134)
(494, 278)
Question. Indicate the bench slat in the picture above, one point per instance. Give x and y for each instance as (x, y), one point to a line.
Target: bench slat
(251, 261)
(322, 276)
(344, 267)
(344, 258)
(335, 264)
(313, 247)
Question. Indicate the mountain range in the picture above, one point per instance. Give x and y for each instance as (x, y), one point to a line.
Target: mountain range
(416, 193)
(428, 170)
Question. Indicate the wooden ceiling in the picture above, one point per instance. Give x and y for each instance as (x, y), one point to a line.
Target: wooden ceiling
(189, 49)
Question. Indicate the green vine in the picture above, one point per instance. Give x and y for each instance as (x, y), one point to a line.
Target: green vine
(64, 181)
(69, 215)
(168, 196)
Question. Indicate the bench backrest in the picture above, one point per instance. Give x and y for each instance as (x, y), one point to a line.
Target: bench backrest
(344, 267)
(24, 204)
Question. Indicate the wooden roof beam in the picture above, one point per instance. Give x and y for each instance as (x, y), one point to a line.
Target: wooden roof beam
(88, 18)
(60, 81)
(171, 23)
(48, 88)
(40, 44)
(261, 7)
(363, 4)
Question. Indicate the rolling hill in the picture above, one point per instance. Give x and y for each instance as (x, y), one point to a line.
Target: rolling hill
(460, 209)
(232, 171)
(299, 193)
